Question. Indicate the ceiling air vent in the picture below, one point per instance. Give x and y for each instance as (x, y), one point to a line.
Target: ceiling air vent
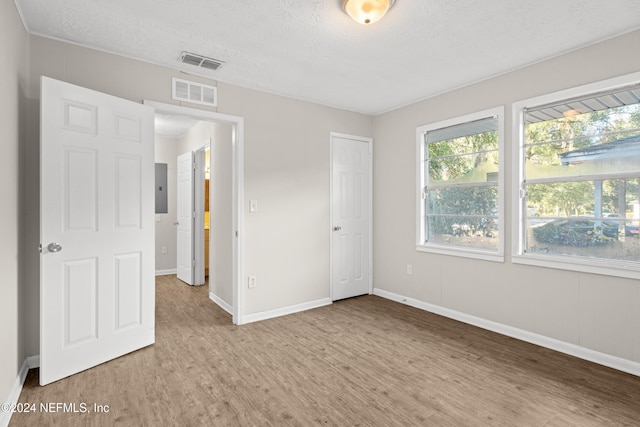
(200, 61)
(197, 93)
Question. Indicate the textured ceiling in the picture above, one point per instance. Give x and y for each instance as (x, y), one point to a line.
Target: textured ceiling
(311, 50)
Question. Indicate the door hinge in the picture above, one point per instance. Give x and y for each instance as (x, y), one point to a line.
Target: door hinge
(195, 263)
(40, 248)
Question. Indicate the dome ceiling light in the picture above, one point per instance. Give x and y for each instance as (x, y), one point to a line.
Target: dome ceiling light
(367, 11)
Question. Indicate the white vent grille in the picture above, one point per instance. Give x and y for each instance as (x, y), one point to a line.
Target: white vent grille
(197, 93)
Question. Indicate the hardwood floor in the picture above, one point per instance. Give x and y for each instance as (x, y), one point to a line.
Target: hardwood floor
(364, 361)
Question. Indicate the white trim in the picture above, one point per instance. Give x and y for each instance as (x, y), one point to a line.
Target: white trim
(604, 359)
(601, 266)
(14, 395)
(221, 303)
(370, 142)
(166, 272)
(467, 252)
(579, 264)
(461, 251)
(238, 190)
(264, 315)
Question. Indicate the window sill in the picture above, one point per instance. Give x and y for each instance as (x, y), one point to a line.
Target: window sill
(461, 252)
(585, 265)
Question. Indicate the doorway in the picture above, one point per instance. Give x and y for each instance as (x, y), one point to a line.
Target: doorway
(235, 229)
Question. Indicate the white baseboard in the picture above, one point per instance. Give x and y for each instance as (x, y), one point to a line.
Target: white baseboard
(29, 363)
(166, 272)
(608, 360)
(221, 303)
(264, 315)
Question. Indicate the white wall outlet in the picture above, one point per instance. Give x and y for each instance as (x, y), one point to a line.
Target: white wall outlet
(409, 269)
(164, 250)
(252, 282)
(253, 206)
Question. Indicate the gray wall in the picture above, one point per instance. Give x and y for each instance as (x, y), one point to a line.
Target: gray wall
(166, 233)
(221, 202)
(597, 312)
(286, 169)
(287, 172)
(13, 81)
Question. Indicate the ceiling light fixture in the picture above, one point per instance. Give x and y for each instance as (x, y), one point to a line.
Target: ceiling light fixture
(367, 11)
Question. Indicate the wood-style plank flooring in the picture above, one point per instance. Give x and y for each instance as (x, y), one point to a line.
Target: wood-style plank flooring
(359, 362)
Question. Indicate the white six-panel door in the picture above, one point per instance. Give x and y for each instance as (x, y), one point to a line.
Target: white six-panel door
(350, 216)
(185, 217)
(97, 285)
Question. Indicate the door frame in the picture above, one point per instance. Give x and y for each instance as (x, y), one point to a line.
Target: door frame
(369, 141)
(237, 141)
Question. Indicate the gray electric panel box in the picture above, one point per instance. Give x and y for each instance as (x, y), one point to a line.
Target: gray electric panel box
(161, 188)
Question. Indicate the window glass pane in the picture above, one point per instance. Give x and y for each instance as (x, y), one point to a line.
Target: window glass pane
(585, 218)
(477, 167)
(556, 160)
(582, 176)
(584, 144)
(463, 201)
(465, 231)
(461, 169)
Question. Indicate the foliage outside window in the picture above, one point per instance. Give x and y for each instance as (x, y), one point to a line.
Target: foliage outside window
(460, 172)
(580, 191)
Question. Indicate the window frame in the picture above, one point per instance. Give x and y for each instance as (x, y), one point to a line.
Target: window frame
(439, 248)
(594, 265)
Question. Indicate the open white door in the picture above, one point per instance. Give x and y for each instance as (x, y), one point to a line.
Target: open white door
(185, 218)
(350, 216)
(97, 228)
(198, 227)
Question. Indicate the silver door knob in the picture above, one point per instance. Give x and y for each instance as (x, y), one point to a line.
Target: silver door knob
(337, 228)
(54, 247)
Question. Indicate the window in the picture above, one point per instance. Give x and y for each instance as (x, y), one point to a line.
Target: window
(460, 185)
(580, 179)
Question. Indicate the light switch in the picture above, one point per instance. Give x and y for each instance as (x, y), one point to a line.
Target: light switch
(253, 206)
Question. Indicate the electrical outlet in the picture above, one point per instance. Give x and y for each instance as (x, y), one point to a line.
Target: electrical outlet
(252, 282)
(409, 269)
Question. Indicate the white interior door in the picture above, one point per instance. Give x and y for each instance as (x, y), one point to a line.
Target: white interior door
(198, 201)
(350, 216)
(97, 228)
(185, 218)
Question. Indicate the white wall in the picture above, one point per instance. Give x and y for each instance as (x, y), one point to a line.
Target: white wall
(600, 313)
(13, 81)
(221, 207)
(166, 233)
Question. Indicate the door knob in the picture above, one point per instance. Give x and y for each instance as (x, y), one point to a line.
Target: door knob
(337, 228)
(54, 247)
